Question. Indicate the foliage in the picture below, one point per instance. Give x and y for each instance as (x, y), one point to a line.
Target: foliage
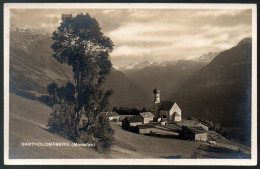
(52, 89)
(99, 133)
(103, 133)
(59, 95)
(79, 42)
(62, 121)
(129, 110)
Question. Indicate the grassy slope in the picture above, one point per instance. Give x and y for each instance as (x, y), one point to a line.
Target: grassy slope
(154, 147)
(28, 119)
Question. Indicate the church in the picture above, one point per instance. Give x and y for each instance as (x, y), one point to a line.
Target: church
(166, 110)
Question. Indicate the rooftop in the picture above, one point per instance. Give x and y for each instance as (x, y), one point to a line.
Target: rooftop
(111, 114)
(165, 105)
(146, 126)
(146, 114)
(133, 119)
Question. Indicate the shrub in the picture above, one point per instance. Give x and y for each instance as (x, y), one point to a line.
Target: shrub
(84, 137)
(62, 121)
(103, 134)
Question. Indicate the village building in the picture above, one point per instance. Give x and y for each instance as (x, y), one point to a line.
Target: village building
(112, 116)
(166, 110)
(122, 117)
(147, 117)
(135, 124)
(194, 133)
(132, 121)
(146, 129)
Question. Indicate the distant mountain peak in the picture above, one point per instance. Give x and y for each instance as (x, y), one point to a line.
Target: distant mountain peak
(205, 58)
(24, 29)
(23, 37)
(147, 63)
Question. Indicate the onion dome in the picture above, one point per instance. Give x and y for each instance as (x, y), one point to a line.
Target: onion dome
(156, 90)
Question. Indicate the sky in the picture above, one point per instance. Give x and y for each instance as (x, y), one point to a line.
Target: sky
(153, 34)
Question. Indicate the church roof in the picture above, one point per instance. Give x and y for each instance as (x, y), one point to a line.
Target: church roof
(166, 105)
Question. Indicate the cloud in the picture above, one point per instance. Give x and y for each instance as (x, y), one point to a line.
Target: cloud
(153, 34)
(218, 12)
(148, 32)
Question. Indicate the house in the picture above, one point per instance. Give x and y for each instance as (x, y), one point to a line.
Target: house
(146, 129)
(132, 121)
(112, 116)
(147, 117)
(194, 133)
(122, 117)
(166, 110)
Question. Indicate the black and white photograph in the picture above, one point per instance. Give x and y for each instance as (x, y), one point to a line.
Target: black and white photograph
(130, 84)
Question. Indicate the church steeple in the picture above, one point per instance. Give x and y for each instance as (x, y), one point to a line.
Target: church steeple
(156, 95)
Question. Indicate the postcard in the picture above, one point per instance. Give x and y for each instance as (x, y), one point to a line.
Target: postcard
(130, 84)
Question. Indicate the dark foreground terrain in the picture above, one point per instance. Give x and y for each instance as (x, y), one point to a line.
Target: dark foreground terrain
(28, 119)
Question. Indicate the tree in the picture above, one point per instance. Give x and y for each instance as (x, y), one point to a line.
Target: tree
(79, 42)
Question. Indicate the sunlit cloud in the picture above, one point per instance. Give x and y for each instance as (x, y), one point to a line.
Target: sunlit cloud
(153, 34)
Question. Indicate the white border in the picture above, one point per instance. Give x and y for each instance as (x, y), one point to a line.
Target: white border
(244, 162)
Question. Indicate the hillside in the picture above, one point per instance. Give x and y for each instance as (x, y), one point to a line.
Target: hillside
(28, 119)
(32, 68)
(221, 91)
(126, 92)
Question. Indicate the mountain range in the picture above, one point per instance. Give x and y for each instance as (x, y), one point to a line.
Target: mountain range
(206, 58)
(164, 75)
(32, 68)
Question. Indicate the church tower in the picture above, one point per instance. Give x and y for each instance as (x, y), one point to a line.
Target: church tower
(156, 93)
